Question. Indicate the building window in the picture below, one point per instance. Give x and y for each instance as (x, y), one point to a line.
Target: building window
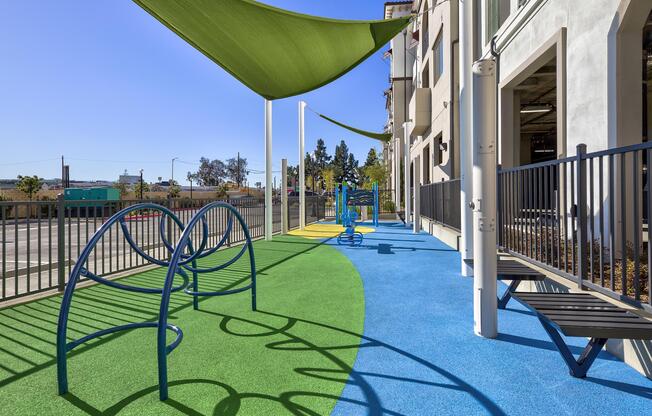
(439, 141)
(493, 18)
(425, 76)
(438, 59)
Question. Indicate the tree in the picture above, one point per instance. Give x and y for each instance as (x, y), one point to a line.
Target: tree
(340, 162)
(156, 187)
(29, 185)
(137, 188)
(329, 179)
(352, 174)
(375, 173)
(211, 172)
(293, 176)
(122, 188)
(311, 169)
(236, 170)
(321, 160)
(174, 190)
(372, 158)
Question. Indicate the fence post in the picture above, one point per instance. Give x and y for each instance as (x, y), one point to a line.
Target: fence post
(580, 213)
(499, 206)
(284, 196)
(61, 243)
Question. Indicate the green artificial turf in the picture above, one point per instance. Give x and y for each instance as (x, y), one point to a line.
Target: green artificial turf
(293, 356)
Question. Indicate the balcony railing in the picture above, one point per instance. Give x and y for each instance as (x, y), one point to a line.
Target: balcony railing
(583, 217)
(440, 203)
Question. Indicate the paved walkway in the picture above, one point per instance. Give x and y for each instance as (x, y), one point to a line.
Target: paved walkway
(420, 356)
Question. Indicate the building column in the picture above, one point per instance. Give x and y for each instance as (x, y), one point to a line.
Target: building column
(485, 308)
(417, 195)
(397, 173)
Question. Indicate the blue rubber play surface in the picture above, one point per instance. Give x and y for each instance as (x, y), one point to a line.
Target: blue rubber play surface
(419, 355)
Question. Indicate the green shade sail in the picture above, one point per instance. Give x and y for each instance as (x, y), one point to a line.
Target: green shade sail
(384, 137)
(274, 52)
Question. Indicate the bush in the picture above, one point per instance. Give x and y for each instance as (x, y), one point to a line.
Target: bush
(388, 206)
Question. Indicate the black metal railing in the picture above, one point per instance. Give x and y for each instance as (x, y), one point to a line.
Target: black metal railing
(583, 217)
(41, 240)
(440, 203)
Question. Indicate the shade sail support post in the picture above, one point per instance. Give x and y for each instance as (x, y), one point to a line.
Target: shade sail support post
(268, 171)
(485, 305)
(302, 166)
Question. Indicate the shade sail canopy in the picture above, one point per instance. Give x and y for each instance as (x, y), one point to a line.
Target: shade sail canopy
(275, 52)
(385, 137)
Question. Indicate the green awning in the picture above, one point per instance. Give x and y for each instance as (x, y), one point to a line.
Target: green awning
(384, 137)
(275, 52)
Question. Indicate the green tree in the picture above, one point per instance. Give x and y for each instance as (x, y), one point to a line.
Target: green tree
(322, 160)
(29, 185)
(375, 173)
(211, 172)
(340, 162)
(293, 175)
(174, 190)
(236, 170)
(311, 169)
(329, 179)
(122, 188)
(141, 185)
(372, 158)
(352, 172)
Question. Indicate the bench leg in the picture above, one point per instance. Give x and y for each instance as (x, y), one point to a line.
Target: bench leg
(504, 299)
(578, 368)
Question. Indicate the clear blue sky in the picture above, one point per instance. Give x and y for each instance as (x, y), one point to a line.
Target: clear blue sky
(106, 85)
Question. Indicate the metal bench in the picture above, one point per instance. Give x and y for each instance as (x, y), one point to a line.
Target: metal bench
(583, 315)
(516, 272)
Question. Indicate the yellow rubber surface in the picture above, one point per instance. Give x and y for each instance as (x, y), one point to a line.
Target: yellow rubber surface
(326, 230)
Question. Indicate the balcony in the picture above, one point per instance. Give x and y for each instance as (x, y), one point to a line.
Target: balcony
(420, 111)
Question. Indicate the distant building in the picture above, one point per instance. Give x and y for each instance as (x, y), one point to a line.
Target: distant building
(128, 179)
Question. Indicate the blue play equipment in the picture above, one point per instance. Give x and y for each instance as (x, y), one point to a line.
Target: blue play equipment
(182, 262)
(346, 211)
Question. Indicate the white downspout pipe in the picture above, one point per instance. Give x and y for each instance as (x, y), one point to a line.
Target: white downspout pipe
(397, 173)
(466, 133)
(302, 167)
(485, 310)
(417, 195)
(268, 171)
(406, 172)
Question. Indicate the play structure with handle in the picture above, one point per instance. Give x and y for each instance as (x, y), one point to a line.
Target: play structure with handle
(183, 261)
(346, 211)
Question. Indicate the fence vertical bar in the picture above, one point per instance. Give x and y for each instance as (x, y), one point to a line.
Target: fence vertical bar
(581, 214)
(61, 242)
(623, 223)
(637, 227)
(612, 228)
(649, 228)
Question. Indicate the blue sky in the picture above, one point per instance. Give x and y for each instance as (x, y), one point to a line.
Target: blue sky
(106, 85)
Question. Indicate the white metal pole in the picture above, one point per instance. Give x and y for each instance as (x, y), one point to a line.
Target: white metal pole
(406, 170)
(484, 199)
(302, 167)
(268, 171)
(417, 195)
(284, 196)
(397, 173)
(466, 133)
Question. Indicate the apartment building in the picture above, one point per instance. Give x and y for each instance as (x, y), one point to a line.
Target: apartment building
(424, 91)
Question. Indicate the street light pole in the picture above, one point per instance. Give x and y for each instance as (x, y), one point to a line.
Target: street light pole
(172, 178)
(141, 184)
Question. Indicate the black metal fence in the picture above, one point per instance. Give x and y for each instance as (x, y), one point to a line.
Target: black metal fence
(583, 217)
(440, 203)
(40, 240)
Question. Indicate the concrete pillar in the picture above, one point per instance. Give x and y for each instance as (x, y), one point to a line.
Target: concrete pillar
(397, 173)
(302, 167)
(417, 195)
(268, 171)
(406, 174)
(466, 132)
(484, 199)
(284, 196)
